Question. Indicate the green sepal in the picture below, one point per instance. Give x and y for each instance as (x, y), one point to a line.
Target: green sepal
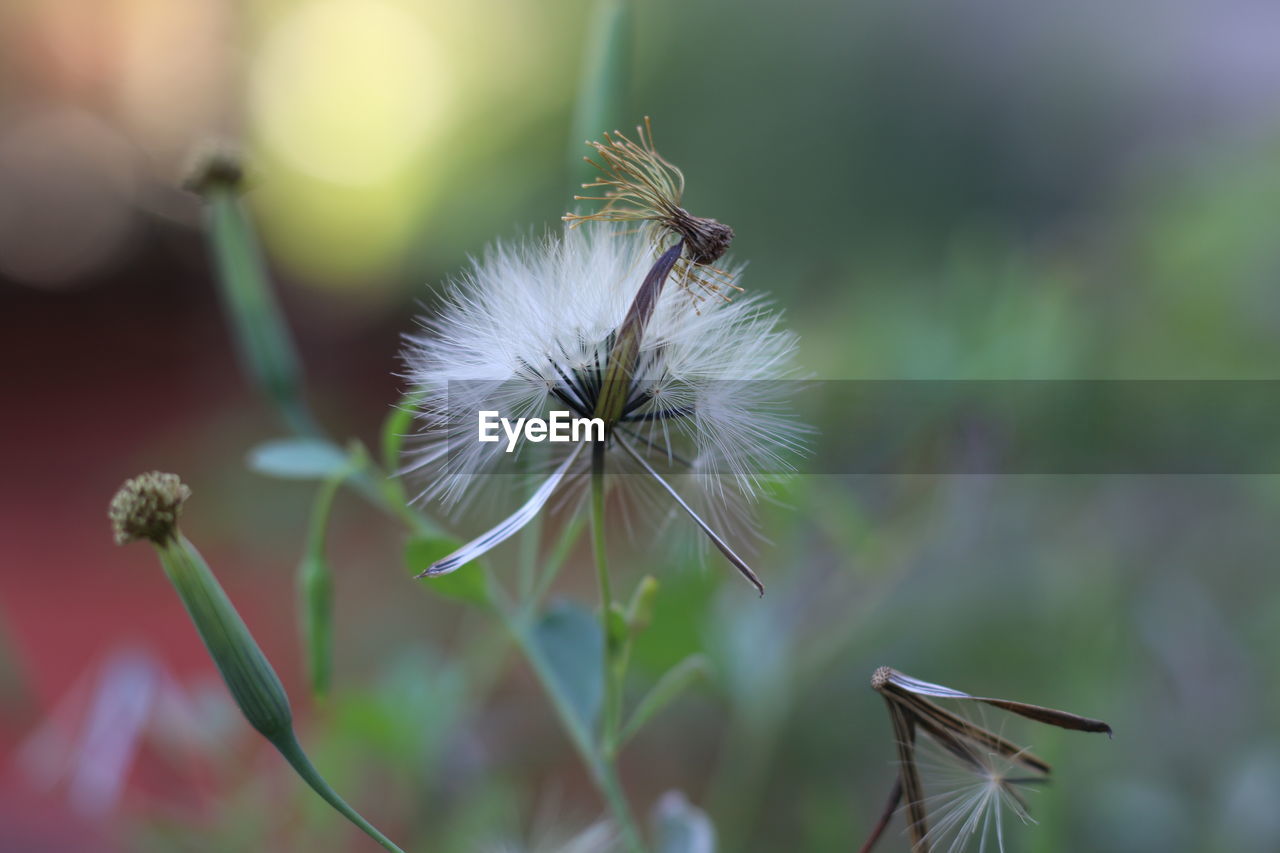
(619, 630)
(253, 683)
(640, 608)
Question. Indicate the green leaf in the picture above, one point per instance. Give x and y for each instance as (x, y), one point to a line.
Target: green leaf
(298, 459)
(681, 827)
(397, 426)
(673, 682)
(468, 583)
(569, 640)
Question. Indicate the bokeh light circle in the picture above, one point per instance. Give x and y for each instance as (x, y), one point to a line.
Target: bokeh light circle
(348, 90)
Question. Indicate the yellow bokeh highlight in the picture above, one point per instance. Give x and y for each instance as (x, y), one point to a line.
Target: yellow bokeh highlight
(349, 90)
(363, 113)
(350, 103)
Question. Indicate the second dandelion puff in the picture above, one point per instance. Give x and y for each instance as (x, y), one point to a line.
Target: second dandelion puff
(986, 773)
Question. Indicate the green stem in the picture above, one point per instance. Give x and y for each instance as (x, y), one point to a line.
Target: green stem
(531, 536)
(602, 770)
(612, 697)
(556, 559)
(263, 342)
(606, 75)
(288, 745)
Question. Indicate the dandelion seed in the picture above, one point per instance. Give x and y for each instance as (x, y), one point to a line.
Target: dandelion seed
(640, 185)
(582, 322)
(987, 772)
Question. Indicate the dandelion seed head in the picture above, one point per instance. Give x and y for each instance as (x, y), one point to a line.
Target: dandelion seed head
(526, 329)
(530, 328)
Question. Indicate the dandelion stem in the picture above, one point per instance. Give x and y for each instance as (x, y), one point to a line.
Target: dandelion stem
(292, 751)
(612, 674)
(610, 722)
(556, 559)
(601, 767)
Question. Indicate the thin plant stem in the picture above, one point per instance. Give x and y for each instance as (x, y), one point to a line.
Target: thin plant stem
(612, 712)
(556, 558)
(602, 770)
(263, 343)
(612, 694)
(606, 75)
(292, 751)
(531, 536)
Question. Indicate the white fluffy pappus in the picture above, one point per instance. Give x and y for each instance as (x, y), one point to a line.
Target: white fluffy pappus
(973, 798)
(529, 329)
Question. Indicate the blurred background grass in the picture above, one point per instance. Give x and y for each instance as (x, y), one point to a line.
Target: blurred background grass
(931, 190)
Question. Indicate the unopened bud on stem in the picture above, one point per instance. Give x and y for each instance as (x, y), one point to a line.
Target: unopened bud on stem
(147, 507)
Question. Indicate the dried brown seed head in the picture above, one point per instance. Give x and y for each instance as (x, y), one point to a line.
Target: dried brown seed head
(640, 185)
(705, 240)
(147, 507)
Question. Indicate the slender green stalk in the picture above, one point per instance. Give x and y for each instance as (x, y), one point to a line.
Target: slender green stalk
(606, 74)
(531, 536)
(292, 751)
(315, 589)
(602, 770)
(612, 695)
(263, 343)
(556, 559)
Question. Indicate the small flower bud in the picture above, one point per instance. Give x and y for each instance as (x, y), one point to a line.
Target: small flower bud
(214, 167)
(640, 610)
(147, 507)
